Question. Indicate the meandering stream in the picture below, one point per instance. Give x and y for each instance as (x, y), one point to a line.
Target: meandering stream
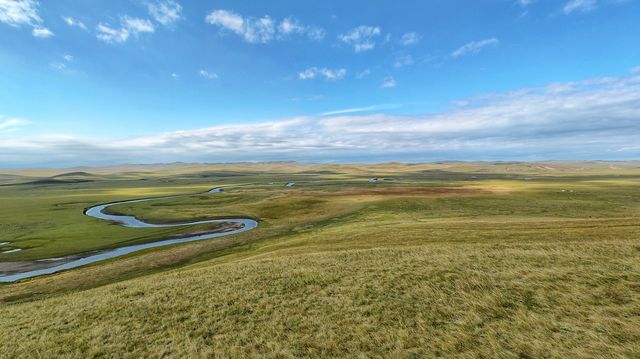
(131, 221)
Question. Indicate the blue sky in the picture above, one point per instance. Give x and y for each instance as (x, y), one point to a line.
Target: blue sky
(102, 82)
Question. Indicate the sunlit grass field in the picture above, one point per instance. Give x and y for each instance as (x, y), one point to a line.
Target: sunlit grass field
(451, 259)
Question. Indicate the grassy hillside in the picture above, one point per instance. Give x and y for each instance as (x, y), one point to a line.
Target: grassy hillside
(457, 259)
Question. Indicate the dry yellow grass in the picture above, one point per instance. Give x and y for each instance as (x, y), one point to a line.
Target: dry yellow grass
(576, 299)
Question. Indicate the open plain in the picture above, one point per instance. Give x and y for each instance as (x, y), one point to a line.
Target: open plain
(442, 259)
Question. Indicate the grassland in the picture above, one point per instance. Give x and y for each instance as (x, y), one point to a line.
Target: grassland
(453, 259)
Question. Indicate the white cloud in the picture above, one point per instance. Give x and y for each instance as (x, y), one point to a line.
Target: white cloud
(62, 66)
(362, 38)
(474, 47)
(592, 119)
(129, 26)
(10, 124)
(401, 61)
(59, 66)
(524, 2)
(107, 33)
(262, 30)
(291, 26)
(328, 74)
(174, 75)
(208, 74)
(410, 38)
(389, 82)
(137, 25)
(165, 12)
(226, 19)
(579, 6)
(308, 74)
(74, 22)
(41, 32)
(584, 6)
(635, 70)
(19, 12)
(315, 33)
(360, 109)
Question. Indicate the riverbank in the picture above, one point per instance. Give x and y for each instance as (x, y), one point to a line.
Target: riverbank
(17, 270)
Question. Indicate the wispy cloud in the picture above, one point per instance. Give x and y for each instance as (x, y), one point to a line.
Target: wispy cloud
(129, 26)
(107, 33)
(291, 26)
(166, 12)
(402, 61)
(306, 98)
(19, 13)
(363, 74)
(474, 47)
(362, 38)
(8, 124)
(209, 75)
(137, 25)
(41, 32)
(328, 74)
(524, 2)
(579, 6)
(410, 38)
(264, 29)
(74, 22)
(596, 118)
(62, 65)
(232, 22)
(389, 82)
(360, 109)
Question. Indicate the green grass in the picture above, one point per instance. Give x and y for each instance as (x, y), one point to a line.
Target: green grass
(434, 263)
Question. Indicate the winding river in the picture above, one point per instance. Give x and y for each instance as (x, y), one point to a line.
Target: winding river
(75, 261)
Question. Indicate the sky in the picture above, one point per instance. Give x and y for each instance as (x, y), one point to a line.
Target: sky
(97, 82)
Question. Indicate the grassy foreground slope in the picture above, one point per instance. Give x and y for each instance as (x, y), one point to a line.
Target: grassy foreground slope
(540, 260)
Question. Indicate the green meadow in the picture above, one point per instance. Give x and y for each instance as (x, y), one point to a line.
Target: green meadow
(513, 260)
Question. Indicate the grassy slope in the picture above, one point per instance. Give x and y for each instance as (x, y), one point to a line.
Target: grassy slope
(527, 271)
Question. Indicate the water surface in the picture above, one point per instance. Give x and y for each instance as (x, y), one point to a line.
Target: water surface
(131, 221)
